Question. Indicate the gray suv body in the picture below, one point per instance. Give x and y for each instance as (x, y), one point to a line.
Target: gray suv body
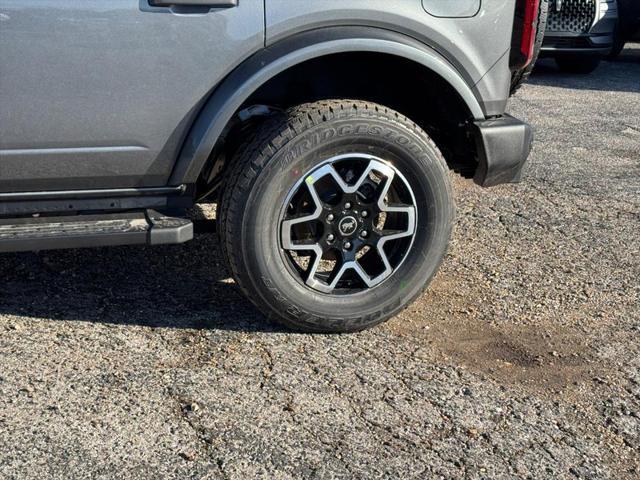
(115, 117)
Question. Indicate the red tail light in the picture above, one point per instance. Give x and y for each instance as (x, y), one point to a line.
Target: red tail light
(529, 30)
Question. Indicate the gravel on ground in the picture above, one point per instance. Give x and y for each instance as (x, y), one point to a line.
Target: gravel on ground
(521, 360)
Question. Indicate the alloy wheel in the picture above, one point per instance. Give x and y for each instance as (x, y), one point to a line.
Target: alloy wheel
(348, 224)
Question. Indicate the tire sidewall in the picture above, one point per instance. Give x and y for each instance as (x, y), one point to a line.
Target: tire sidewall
(421, 164)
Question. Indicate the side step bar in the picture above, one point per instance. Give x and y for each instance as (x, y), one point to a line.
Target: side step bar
(50, 233)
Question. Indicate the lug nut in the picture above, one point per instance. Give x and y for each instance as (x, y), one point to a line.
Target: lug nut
(364, 234)
(330, 217)
(347, 246)
(347, 205)
(330, 238)
(365, 214)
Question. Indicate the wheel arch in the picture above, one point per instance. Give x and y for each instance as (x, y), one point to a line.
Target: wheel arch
(229, 96)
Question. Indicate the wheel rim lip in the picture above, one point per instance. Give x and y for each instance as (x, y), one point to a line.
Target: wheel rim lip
(355, 264)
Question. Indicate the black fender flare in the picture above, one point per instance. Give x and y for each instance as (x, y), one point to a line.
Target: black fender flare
(238, 86)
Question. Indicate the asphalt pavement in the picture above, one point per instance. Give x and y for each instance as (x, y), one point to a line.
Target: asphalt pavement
(522, 360)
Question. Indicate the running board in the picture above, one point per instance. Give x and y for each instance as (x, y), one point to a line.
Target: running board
(78, 231)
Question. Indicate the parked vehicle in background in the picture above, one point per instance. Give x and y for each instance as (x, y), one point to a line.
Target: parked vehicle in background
(580, 33)
(325, 130)
(628, 28)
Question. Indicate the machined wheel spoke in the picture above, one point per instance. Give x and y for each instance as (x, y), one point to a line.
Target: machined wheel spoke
(304, 245)
(399, 208)
(311, 273)
(347, 224)
(395, 235)
(388, 235)
(346, 267)
(372, 166)
(287, 225)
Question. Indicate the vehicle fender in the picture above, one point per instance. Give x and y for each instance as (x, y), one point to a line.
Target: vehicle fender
(229, 96)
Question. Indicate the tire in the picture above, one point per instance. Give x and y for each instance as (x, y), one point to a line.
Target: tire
(618, 44)
(578, 63)
(519, 77)
(274, 171)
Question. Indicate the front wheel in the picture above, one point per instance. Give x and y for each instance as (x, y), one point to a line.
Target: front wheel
(336, 215)
(578, 63)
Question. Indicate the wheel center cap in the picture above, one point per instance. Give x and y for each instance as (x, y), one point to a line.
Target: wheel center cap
(348, 226)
